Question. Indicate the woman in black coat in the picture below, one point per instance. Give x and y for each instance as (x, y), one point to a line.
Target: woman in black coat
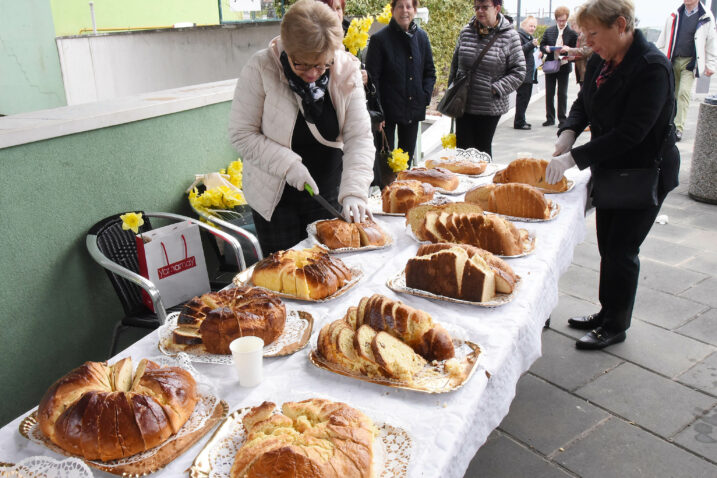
(400, 63)
(629, 103)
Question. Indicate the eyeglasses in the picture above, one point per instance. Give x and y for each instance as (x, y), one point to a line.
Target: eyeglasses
(304, 67)
(483, 8)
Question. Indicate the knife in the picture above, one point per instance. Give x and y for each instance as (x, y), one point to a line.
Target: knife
(326, 205)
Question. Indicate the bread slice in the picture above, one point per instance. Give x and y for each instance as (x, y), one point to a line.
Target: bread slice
(121, 375)
(415, 217)
(139, 372)
(482, 196)
(186, 336)
(395, 357)
(351, 317)
(478, 282)
(362, 343)
(371, 234)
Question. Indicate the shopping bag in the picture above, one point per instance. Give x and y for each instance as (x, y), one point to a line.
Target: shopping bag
(173, 259)
(386, 174)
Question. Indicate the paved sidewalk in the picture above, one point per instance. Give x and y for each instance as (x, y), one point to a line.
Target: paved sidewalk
(643, 408)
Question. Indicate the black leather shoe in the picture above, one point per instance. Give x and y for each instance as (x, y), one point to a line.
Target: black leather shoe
(525, 126)
(585, 323)
(549, 123)
(599, 339)
(678, 135)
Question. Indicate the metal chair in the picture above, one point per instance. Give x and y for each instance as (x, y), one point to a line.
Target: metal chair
(115, 250)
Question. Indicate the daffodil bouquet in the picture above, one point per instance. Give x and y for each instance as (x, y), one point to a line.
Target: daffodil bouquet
(398, 160)
(385, 16)
(357, 35)
(448, 141)
(223, 189)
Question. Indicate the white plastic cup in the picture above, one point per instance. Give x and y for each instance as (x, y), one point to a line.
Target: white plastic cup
(248, 353)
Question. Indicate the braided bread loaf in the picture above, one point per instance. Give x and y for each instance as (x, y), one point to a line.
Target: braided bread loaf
(512, 199)
(100, 412)
(529, 171)
(314, 438)
(460, 166)
(438, 177)
(400, 196)
(215, 319)
(336, 234)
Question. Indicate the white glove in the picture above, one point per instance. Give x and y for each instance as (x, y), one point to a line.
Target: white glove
(298, 175)
(557, 166)
(355, 209)
(565, 142)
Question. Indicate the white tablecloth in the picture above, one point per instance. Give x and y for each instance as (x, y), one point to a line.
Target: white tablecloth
(447, 429)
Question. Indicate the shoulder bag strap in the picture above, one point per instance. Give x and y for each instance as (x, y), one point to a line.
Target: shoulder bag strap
(482, 53)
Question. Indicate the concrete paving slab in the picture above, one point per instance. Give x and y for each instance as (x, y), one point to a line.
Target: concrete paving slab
(664, 352)
(706, 263)
(705, 240)
(617, 449)
(570, 306)
(667, 278)
(502, 457)
(581, 282)
(643, 397)
(701, 436)
(666, 251)
(705, 292)
(587, 255)
(703, 327)
(673, 231)
(704, 220)
(663, 309)
(590, 231)
(545, 417)
(703, 376)
(565, 366)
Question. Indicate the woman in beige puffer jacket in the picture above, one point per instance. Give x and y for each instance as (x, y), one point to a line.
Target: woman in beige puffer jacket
(299, 117)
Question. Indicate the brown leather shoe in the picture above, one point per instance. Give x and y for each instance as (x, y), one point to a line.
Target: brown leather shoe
(589, 322)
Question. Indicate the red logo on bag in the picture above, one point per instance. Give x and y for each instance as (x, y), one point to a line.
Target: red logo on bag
(176, 267)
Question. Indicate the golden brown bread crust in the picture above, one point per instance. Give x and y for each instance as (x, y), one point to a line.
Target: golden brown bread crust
(82, 414)
(314, 438)
(438, 177)
(529, 171)
(223, 316)
(511, 199)
(400, 196)
(308, 273)
(459, 166)
(416, 216)
(337, 234)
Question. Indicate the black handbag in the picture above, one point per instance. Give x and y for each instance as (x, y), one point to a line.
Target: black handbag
(454, 101)
(386, 174)
(625, 188)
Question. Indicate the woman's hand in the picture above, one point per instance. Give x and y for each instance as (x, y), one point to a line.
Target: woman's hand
(381, 125)
(557, 167)
(535, 42)
(297, 176)
(565, 142)
(355, 209)
(364, 77)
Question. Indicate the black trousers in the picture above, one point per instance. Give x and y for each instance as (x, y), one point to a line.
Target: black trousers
(476, 131)
(561, 78)
(407, 136)
(620, 233)
(522, 98)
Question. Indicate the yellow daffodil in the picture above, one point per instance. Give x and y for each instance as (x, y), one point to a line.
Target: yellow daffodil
(132, 221)
(385, 16)
(235, 173)
(449, 141)
(357, 34)
(398, 161)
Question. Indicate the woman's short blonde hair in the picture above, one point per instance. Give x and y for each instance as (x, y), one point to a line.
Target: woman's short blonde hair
(526, 20)
(311, 28)
(606, 13)
(560, 11)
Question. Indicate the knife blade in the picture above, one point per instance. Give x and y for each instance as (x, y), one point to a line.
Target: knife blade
(324, 203)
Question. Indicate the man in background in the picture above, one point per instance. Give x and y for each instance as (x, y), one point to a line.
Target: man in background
(689, 40)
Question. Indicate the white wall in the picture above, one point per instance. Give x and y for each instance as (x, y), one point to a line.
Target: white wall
(107, 66)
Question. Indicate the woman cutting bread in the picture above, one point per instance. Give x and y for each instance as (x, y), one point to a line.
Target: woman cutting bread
(628, 101)
(299, 118)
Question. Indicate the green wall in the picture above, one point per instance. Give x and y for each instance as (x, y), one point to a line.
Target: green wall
(71, 16)
(58, 307)
(30, 76)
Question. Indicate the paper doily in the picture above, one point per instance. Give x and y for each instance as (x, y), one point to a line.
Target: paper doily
(46, 467)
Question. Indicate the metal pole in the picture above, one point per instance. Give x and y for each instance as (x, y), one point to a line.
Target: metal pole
(517, 21)
(550, 11)
(219, 4)
(92, 14)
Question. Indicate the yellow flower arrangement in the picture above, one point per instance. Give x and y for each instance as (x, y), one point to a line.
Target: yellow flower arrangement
(449, 141)
(357, 34)
(385, 16)
(222, 197)
(132, 221)
(398, 161)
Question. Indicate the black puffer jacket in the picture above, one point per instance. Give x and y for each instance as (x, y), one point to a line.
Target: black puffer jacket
(401, 67)
(526, 40)
(629, 115)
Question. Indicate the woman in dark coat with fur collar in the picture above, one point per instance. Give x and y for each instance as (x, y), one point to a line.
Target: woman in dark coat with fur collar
(628, 101)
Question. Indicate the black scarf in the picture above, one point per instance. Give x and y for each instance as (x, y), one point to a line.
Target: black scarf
(312, 94)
